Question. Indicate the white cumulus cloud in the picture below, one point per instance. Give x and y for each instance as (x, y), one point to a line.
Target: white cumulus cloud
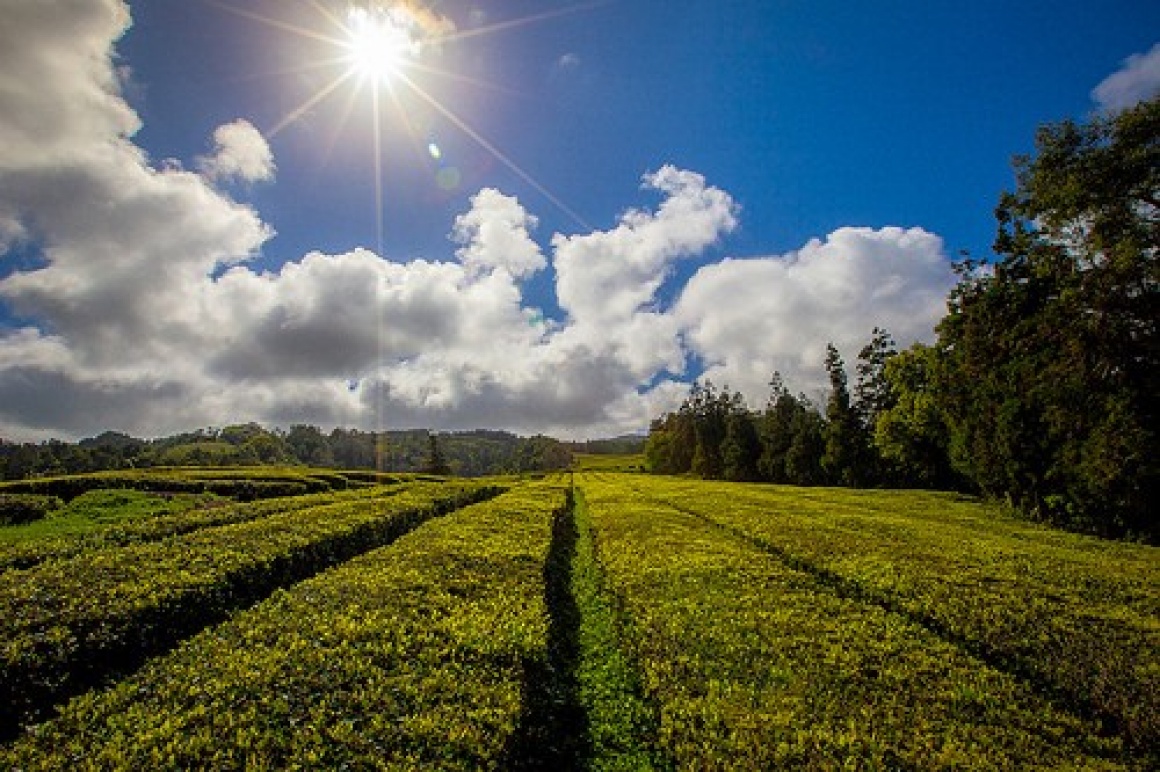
(145, 313)
(240, 154)
(747, 318)
(495, 234)
(1138, 80)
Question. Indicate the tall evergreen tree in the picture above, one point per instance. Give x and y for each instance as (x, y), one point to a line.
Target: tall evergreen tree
(777, 427)
(436, 462)
(741, 447)
(803, 459)
(844, 461)
(873, 392)
(873, 395)
(710, 412)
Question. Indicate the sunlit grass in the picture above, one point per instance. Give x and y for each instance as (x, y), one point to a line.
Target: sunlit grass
(98, 509)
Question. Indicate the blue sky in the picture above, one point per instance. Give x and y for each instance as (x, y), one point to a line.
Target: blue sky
(569, 210)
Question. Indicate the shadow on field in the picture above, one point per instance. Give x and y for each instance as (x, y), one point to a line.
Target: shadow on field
(553, 727)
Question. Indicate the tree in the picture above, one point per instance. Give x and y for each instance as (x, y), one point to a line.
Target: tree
(803, 459)
(873, 392)
(844, 460)
(777, 431)
(710, 412)
(265, 448)
(435, 463)
(309, 445)
(911, 435)
(1052, 353)
(741, 447)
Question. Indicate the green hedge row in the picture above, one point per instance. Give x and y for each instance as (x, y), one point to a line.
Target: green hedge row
(21, 508)
(753, 664)
(69, 623)
(413, 656)
(1074, 614)
(29, 552)
(241, 488)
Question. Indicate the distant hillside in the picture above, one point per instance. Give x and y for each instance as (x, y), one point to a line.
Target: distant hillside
(627, 444)
(471, 453)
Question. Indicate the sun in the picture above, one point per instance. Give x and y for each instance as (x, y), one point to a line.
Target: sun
(380, 43)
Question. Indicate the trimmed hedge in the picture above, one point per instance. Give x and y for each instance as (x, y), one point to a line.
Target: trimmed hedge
(754, 664)
(68, 624)
(1073, 614)
(30, 552)
(419, 655)
(21, 508)
(242, 488)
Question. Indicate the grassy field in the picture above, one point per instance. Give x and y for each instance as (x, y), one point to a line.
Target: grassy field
(608, 462)
(601, 620)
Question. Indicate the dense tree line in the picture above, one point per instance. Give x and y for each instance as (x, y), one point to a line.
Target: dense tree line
(715, 435)
(1041, 387)
(463, 453)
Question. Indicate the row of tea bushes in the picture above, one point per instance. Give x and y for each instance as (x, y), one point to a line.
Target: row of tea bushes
(419, 655)
(26, 553)
(1076, 615)
(66, 624)
(753, 664)
(21, 508)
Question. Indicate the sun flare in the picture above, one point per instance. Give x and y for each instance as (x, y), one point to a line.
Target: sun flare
(380, 43)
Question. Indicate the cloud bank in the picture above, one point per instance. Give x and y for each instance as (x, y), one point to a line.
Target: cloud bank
(145, 313)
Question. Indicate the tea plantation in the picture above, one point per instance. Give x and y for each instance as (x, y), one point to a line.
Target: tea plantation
(605, 620)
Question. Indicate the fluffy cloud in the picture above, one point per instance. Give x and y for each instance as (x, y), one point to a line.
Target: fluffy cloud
(57, 79)
(145, 315)
(495, 234)
(1136, 81)
(607, 276)
(240, 154)
(122, 242)
(747, 318)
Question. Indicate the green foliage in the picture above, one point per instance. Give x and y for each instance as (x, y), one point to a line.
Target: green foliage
(911, 434)
(64, 621)
(64, 536)
(846, 457)
(874, 392)
(1052, 354)
(469, 454)
(667, 623)
(715, 436)
(803, 458)
(741, 448)
(413, 656)
(22, 508)
(243, 485)
(1044, 388)
(780, 629)
(610, 462)
(628, 445)
(436, 463)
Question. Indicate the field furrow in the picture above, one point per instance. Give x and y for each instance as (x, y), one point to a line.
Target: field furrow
(755, 664)
(1077, 616)
(426, 654)
(68, 624)
(621, 725)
